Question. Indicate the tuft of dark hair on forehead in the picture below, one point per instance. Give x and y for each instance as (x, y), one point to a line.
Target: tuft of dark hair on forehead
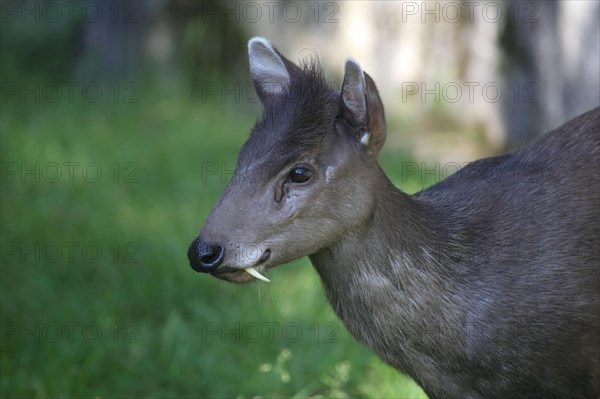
(296, 122)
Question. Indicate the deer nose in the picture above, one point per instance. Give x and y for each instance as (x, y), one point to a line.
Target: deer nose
(205, 257)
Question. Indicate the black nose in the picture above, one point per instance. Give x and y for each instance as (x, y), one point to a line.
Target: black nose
(205, 257)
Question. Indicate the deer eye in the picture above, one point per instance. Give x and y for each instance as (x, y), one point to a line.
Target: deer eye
(300, 174)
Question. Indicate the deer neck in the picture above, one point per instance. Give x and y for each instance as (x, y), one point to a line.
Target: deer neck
(398, 236)
(390, 269)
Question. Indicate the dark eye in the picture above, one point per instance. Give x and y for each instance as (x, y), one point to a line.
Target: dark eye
(300, 174)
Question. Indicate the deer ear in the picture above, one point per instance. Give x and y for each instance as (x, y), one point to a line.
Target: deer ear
(362, 107)
(268, 70)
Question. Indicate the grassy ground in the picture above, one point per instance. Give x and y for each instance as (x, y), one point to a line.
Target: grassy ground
(99, 203)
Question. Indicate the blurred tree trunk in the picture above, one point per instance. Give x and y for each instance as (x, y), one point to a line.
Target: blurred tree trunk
(112, 39)
(553, 57)
(180, 40)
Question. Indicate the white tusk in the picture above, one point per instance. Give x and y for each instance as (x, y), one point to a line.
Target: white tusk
(253, 272)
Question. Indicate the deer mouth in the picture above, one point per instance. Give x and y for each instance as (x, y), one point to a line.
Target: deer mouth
(241, 275)
(255, 273)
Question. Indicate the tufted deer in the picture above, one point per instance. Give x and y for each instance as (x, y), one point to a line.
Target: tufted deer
(485, 285)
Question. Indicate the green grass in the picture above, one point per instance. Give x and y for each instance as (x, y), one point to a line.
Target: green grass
(166, 331)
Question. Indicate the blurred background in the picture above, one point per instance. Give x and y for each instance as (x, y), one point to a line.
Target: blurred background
(120, 124)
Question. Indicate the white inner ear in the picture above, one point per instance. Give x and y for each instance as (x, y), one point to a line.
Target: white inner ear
(364, 139)
(329, 173)
(266, 67)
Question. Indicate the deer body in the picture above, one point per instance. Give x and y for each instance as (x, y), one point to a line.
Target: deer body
(484, 285)
(468, 302)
